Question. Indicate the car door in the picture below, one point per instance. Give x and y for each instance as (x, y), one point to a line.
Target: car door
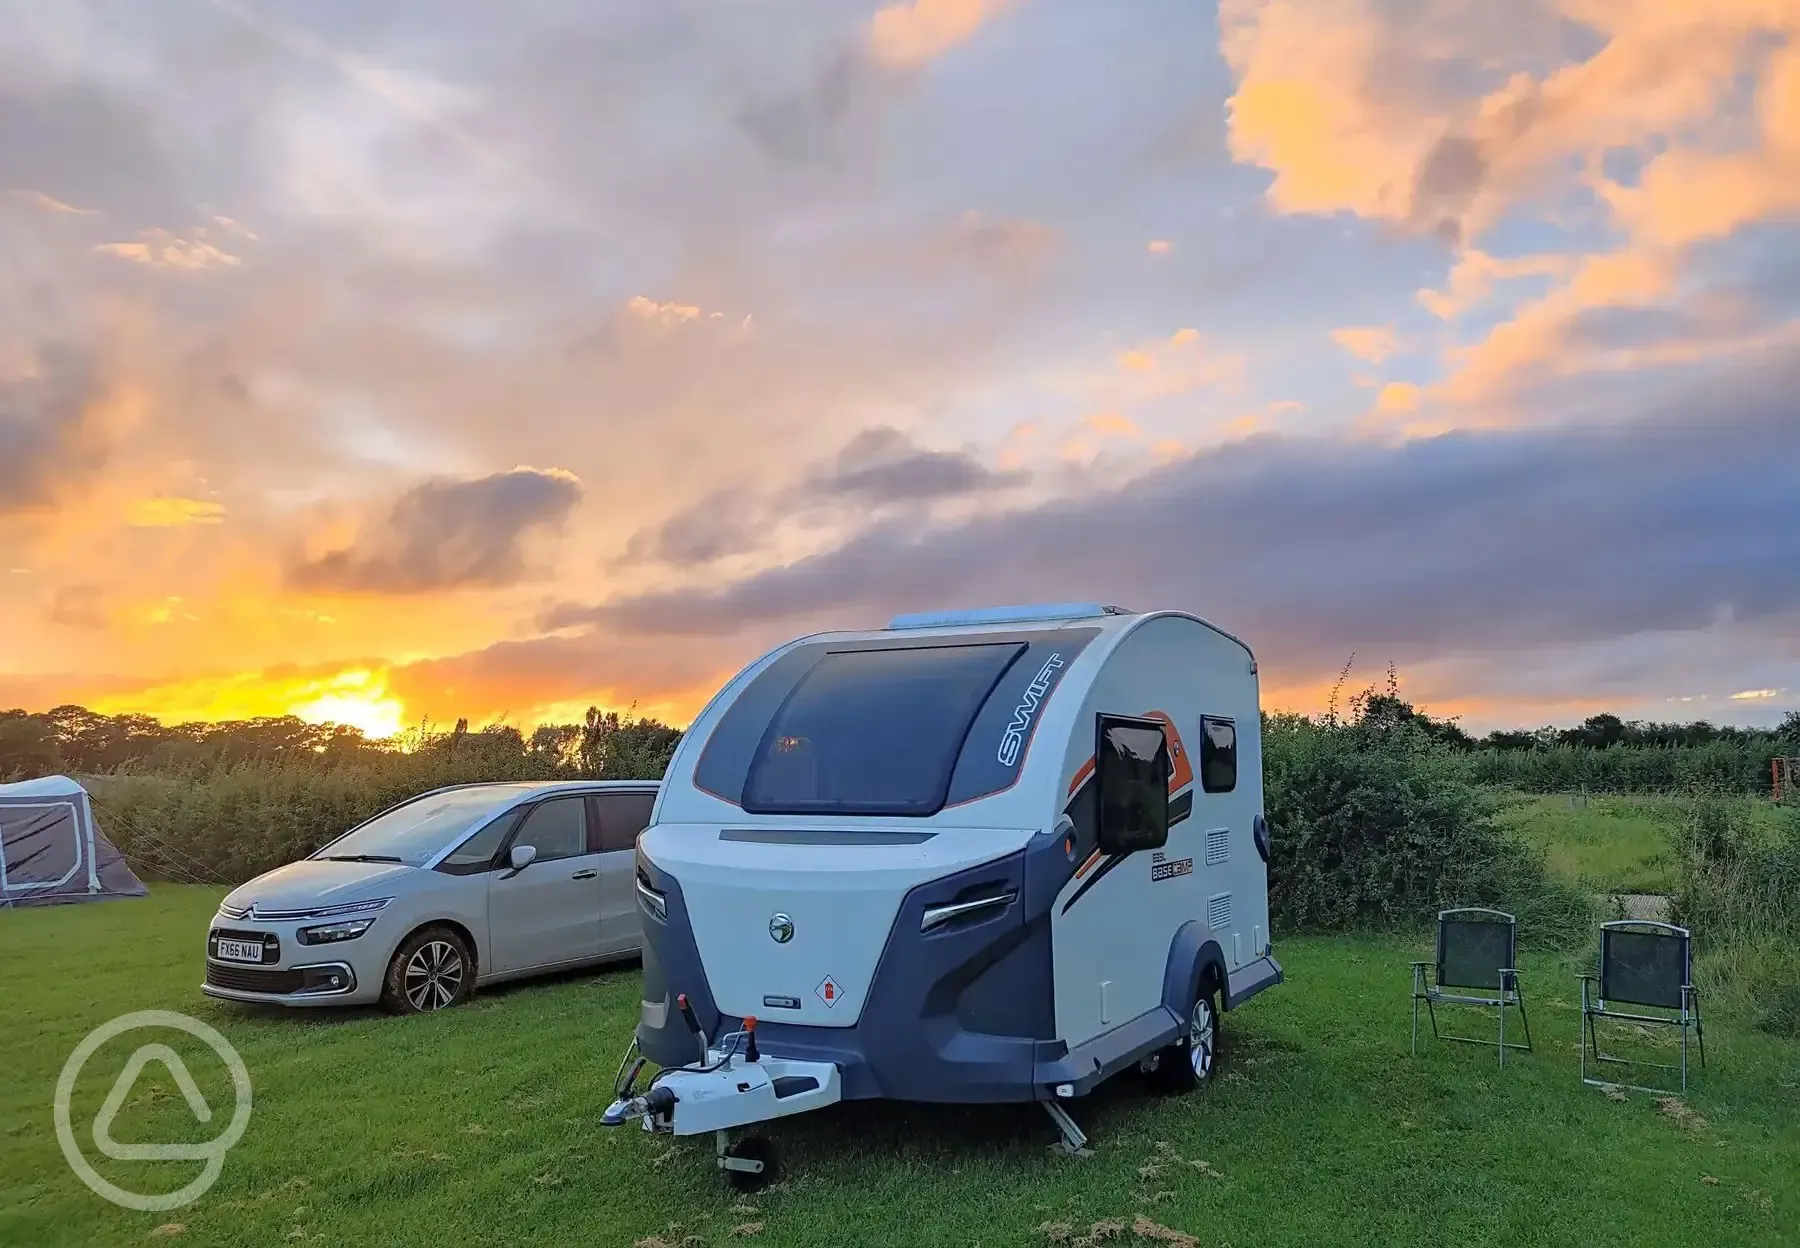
(620, 816)
(549, 913)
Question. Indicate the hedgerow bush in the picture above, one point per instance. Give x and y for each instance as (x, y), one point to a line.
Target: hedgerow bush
(1720, 766)
(1740, 896)
(227, 824)
(1376, 824)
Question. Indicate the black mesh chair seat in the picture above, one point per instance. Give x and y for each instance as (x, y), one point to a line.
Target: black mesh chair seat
(1650, 966)
(1476, 953)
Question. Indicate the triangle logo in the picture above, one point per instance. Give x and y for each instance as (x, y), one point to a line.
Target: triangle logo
(122, 1086)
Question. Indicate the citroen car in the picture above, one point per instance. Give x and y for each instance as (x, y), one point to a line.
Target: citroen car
(448, 891)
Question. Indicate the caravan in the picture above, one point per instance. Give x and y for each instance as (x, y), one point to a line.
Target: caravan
(980, 856)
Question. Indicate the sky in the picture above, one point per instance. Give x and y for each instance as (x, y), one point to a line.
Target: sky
(402, 362)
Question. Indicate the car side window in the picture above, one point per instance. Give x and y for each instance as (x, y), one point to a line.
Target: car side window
(622, 817)
(477, 853)
(556, 829)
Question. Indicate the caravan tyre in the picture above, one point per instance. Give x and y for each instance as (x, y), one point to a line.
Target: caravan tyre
(1189, 1062)
(432, 970)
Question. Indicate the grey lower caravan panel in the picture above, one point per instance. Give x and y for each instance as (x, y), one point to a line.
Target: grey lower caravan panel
(1251, 978)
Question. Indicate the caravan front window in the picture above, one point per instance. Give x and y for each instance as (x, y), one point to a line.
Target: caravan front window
(874, 732)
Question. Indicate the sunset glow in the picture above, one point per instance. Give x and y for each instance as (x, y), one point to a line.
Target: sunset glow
(481, 369)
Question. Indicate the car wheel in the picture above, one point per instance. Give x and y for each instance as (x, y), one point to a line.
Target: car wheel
(432, 970)
(1189, 1062)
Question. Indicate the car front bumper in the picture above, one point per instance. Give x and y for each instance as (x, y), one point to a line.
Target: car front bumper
(345, 972)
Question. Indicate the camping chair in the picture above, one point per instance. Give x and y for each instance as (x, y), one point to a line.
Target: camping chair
(1645, 964)
(1475, 950)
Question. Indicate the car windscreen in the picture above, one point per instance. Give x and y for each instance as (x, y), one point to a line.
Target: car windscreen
(874, 731)
(413, 832)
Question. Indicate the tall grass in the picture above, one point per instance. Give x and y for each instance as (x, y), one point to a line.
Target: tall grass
(1740, 895)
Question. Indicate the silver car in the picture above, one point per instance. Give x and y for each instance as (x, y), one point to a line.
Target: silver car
(459, 887)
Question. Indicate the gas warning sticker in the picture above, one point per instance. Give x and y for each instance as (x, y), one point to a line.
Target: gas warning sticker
(1169, 870)
(829, 992)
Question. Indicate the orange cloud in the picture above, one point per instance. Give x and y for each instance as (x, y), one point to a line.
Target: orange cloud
(1373, 343)
(908, 35)
(1472, 278)
(1113, 424)
(1159, 247)
(1397, 397)
(161, 249)
(646, 309)
(50, 203)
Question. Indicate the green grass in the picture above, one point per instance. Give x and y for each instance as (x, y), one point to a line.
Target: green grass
(1616, 844)
(479, 1126)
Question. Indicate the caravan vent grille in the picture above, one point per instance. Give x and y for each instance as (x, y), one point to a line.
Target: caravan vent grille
(1218, 912)
(1218, 845)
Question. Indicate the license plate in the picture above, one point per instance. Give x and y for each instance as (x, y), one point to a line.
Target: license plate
(239, 951)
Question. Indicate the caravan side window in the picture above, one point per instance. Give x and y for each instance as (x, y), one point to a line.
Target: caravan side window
(1131, 769)
(1218, 754)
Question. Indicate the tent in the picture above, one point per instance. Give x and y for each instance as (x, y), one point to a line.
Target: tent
(51, 851)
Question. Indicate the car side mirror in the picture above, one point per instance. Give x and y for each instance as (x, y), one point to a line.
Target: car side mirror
(521, 856)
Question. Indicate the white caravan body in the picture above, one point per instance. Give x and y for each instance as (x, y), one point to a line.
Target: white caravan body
(885, 847)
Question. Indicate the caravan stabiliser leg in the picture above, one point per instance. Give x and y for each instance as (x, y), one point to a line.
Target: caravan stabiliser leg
(1074, 1141)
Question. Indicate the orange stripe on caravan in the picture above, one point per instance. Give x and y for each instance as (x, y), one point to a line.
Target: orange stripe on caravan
(1081, 773)
(1087, 866)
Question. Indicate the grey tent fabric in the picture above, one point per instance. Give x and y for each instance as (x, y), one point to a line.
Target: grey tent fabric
(52, 851)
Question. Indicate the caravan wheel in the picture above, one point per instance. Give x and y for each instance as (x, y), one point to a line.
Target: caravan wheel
(1189, 1062)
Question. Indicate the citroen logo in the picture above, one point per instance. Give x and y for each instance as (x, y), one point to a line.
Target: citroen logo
(781, 928)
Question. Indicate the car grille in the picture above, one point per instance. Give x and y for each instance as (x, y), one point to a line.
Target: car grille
(248, 979)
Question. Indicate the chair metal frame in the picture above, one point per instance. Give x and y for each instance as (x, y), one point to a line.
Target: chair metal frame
(1509, 993)
(1686, 1017)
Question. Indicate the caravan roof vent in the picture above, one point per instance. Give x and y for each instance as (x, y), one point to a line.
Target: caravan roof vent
(1006, 615)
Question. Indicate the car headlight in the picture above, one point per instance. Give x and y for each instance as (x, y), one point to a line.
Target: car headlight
(350, 907)
(329, 933)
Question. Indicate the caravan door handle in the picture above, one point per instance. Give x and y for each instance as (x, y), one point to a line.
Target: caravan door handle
(584, 875)
(937, 916)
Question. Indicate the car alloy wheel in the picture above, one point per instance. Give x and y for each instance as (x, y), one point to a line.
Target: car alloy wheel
(434, 975)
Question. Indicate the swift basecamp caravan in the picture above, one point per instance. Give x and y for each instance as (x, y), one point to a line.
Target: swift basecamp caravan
(982, 856)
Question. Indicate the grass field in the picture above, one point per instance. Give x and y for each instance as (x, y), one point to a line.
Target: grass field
(1617, 844)
(479, 1126)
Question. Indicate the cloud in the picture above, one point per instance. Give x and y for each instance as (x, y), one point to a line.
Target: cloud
(1397, 397)
(883, 465)
(725, 522)
(1418, 550)
(647, 309)
(449, 535)
(52, 431)
(163, 250)
(881, 469)
(910, 34)
(78, 606)
(49, 203)
(1371, 343)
